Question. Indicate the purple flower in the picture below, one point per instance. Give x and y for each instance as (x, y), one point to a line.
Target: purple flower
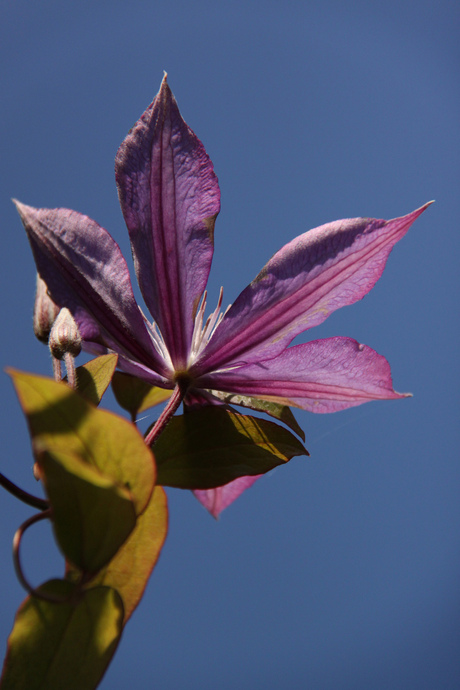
(170, 198)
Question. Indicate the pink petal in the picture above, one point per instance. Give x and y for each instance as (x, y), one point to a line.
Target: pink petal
(170, 199)
(312, 276)
(216, 500)
(85, 271)
(320, 376)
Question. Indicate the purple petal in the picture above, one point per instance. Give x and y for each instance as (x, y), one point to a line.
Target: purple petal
(85, 271)
(320, 376)
(170, 198)
(216, 500)
(312, 276)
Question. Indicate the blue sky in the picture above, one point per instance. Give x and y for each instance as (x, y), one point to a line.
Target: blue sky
(340, 571)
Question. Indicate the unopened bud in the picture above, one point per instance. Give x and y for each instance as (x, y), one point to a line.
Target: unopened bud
(45, 311)
(65, 337)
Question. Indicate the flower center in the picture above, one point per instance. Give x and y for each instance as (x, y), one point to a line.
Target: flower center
(203, 334)
(158, 342)
(200, 337)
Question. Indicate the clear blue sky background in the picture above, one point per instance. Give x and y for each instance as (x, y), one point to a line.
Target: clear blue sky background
(337, 572)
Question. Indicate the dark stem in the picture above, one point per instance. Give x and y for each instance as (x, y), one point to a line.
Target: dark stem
(23, 496)
(165, 417)
(17, 560)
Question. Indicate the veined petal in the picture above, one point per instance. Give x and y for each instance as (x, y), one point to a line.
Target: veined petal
(216, 500)
(320, 376)
(312, 276)
(147, 374)
(170, 198)
(85, 271)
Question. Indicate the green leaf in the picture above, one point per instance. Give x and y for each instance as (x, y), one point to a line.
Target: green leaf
(135, 395)
(92, 516)
(66, 645)
(61, 419)
(210, 446)
(281, 412)
(128, 572)
(94, 377)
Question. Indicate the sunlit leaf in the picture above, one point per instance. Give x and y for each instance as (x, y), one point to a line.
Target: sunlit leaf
(135, 395)
(61, 419)
(92, 516)
(94, 377)
(281, 412)
(209, 446)
(128, 572)
(66, 645)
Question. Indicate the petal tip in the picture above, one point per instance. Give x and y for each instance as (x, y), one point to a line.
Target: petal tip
(164, 91)
(164, 86)
(418, 211)
(425, 206)
(22, 209)
(403, 395)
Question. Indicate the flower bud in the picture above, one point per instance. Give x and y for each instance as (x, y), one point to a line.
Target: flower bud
(45, 311)
(65, 337)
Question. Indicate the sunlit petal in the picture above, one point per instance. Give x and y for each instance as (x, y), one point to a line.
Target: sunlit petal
(170, 199)
(312, 276)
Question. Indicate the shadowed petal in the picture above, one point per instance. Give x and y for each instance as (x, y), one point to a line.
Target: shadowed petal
(320, 376)
(85, 271)
(216, 500)
(170, 198)
(312, 276)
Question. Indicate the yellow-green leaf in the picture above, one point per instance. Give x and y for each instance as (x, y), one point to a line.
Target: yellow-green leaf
(210, 446)
(94, 377)
(61, 419)
(135, 395)
(57, 646)
(281, 412)
(128, 572)
(92, 516)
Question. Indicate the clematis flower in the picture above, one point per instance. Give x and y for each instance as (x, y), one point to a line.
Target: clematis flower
(170, 198)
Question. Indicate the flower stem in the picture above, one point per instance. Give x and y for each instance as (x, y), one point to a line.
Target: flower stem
(57, 369)
(69, 361)
(165, 417)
